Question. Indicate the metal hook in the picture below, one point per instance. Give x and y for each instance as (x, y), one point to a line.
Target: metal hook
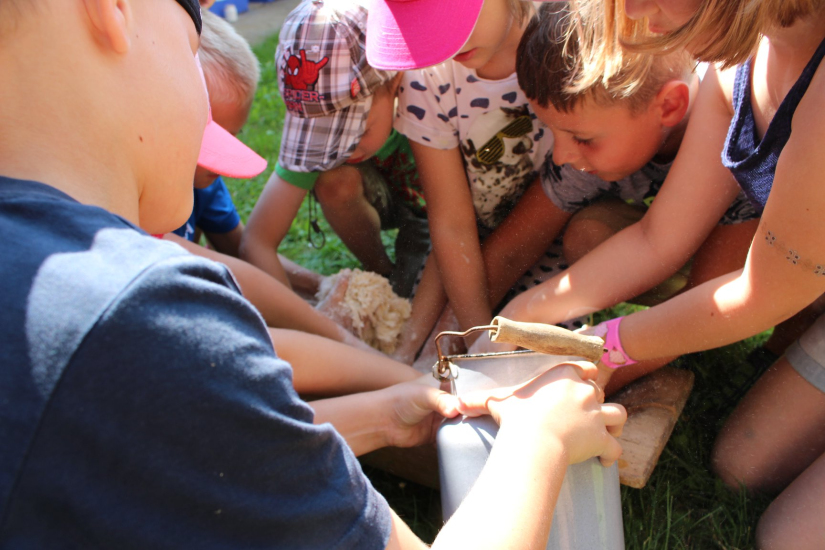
(443, 369)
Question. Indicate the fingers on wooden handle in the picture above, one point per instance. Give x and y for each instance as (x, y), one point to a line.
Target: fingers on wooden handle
(547, 339)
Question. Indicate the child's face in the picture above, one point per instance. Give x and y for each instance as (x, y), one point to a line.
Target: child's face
(663, 15)
(489, 35)
(231, 116)
(609, 142)
(167, 112)
(379, 122)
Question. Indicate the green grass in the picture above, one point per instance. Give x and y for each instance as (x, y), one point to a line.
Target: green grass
(683, 506)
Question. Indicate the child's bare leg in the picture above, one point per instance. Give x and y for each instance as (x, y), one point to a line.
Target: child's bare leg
(789, 331)
(725, 250)
(794, 520)
(593, 225)
(322, 367)
(342, 197)
(774, 434)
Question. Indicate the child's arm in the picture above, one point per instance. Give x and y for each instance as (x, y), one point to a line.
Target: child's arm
(268, 225)
(521, 239)
(454, 233)
(427, 305)
(321, 367)
(783, 272)
(228, 243)
(277, 304)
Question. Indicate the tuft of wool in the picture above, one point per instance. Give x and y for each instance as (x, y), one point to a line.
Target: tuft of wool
(378, 314)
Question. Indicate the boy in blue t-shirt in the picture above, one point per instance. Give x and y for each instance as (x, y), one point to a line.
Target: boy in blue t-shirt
(214, 214)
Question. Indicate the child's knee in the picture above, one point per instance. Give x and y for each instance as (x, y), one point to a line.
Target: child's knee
(737, 461)
(724, 461)
(582, 236)
(339, 186)
(771, 533)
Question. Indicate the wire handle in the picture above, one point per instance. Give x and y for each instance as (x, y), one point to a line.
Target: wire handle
(538, 337)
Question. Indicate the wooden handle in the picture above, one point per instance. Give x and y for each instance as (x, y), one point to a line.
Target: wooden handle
(547, 339)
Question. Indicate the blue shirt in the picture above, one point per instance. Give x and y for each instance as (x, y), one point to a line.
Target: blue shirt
(213, 212)
(753, 161)
(142, 405)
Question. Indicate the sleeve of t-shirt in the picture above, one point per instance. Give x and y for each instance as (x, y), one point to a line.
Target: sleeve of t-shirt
(216, 211)
(304, 180)
(568, 188)
(427, 109)
(185, 431)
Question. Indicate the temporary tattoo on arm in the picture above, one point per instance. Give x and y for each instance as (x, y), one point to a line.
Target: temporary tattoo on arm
(793, 256)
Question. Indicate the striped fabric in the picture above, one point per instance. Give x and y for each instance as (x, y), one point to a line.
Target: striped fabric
(325, 82)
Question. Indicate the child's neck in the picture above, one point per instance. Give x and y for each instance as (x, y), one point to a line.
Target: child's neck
(51, 135)
(503, 63)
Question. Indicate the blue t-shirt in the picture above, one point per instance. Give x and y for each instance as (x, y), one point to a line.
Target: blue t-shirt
(213, 212)
(142, 405)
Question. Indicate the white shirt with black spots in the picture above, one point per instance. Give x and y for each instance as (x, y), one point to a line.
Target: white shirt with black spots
(449, 106)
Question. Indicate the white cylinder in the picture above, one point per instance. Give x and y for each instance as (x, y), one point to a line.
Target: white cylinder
(588, 512)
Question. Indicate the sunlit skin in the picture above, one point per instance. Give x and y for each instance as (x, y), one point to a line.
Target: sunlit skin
(663, 16)
(491, 48)
(609, 142)
(231, 116)
(165, 198)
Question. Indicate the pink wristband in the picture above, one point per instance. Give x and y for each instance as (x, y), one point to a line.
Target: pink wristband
(615, 355)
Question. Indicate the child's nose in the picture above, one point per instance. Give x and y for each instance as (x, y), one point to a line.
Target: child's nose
(636, 9)
(564, 152)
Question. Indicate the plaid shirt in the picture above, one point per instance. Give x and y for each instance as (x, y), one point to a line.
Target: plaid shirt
(325, 82)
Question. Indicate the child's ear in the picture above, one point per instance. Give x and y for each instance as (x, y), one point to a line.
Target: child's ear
(673, 102)
(110, 21)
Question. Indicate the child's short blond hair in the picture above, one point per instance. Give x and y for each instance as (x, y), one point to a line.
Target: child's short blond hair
(551, 62)
(231, 69)
(721, 31)
(521, 10)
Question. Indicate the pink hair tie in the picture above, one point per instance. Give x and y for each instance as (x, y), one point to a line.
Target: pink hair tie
(615, 355)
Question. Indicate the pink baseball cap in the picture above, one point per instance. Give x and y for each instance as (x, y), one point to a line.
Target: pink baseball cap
(411, 34)
(223, 153)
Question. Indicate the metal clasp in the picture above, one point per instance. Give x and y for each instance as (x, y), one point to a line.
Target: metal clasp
(444, 369)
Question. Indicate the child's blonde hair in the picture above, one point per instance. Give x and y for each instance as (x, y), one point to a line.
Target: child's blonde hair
(521, 10)
(231, 69)
(551, 60)
(721, 31)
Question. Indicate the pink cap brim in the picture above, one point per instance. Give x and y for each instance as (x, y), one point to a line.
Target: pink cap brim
(411, 34)
(224, 154)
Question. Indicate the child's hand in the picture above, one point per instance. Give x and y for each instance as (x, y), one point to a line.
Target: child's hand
(605, 372)
(416, 411)
(564, 402)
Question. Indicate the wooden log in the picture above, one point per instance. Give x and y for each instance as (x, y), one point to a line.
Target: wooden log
(653, 403)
